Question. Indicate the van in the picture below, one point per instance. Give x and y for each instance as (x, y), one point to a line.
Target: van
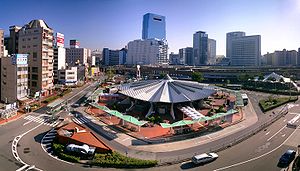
(204, 158)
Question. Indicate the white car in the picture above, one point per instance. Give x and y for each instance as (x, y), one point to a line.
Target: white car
(204, 158)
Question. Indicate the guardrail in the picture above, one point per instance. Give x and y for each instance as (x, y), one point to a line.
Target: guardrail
(227, 144)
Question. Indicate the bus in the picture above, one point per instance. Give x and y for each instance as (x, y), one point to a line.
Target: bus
(245, 99)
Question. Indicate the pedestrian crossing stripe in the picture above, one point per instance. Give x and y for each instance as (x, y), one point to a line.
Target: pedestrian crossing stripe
(45, 121)
(81, 120)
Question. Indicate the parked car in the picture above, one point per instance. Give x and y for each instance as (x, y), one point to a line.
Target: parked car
(204, 158)
(287, 158)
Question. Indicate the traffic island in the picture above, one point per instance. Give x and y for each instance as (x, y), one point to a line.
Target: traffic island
(272, 102)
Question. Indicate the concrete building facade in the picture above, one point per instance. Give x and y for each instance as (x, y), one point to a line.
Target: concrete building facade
(244, 50)
(1, 43)
(186, 54)
(229, 37)
(200, 49)
(175, 60)
(76, 55)
(14, 78)
(36, 40)
(281, 58)
(59, 55)
(212, 51)
(148, 51)
(12, 42)
(68, 76)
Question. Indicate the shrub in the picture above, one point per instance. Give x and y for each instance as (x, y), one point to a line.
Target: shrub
(270, 103)
(58, 150)
(50, 99)
(118, 160)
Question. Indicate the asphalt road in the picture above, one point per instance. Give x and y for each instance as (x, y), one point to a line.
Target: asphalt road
(31, 152)
(28, 147)
(260, 152)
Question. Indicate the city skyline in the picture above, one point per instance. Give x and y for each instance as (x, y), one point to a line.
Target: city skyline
(96, 25)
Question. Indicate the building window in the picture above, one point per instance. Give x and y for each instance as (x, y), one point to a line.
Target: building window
(33, 84)
(34, 77)
(34, 45)
(34, 56)
(34, 38)
(34, 69)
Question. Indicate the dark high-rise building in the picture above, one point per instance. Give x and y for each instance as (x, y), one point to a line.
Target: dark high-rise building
(154, 26)
(229, 37)
(12, 42)
(200, 42)
(186, 54)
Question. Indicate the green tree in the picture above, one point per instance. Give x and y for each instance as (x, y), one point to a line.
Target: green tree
(197, 76)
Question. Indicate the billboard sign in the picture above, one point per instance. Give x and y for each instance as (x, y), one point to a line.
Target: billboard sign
(74, 43)
(19, 59)
(60, 40)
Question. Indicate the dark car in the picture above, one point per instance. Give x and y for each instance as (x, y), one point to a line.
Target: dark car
(287, 158)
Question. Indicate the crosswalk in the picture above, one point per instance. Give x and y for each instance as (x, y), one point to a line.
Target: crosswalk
(41, 119)
(81, 120)
(47, 140)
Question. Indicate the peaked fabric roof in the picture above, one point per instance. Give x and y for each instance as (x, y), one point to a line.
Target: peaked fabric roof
(166, 90)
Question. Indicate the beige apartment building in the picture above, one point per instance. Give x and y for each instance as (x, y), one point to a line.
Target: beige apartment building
(14, 78)
(36, 40)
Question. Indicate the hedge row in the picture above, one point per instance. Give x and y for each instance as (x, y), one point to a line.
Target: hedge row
(279, 101)
(65, 92)
(58, 150)
(50, 99)
(273, 91)
(117, 160)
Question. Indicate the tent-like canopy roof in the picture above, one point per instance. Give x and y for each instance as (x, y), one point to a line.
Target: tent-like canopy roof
(202, 119)
(166, 90)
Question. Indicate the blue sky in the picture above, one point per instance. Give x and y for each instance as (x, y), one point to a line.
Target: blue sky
(113, 23)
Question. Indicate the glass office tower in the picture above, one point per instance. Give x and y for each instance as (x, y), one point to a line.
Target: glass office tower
(154, 26)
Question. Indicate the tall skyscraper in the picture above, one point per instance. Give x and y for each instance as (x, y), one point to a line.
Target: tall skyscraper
(211, 50)
(36, 39)
(229, 37)
(145, 52)
(154, 26)
(186, 54)
(59, 55)
(200, 42)
(244, 50)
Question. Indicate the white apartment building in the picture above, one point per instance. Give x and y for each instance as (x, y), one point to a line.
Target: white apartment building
(36, 40)
(68, 76)
(145, 52)
(14, 78)
(59, 55)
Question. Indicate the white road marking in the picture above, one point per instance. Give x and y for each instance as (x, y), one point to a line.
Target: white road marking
(258, 157)
(283, 135)
(15, 143)
(284, 120)
(208, 137)
(21, 168)
(50, 153)
(276, 133)
(125, 139)
(268, 133)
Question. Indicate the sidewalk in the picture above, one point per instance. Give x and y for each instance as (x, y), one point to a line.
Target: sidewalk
(250, 118)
